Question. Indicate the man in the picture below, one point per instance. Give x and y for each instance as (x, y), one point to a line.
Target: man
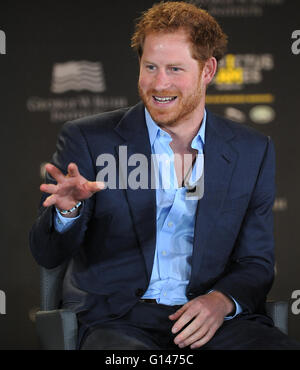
(154, 267)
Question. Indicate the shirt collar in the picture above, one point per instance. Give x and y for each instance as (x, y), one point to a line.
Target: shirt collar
(154, 130)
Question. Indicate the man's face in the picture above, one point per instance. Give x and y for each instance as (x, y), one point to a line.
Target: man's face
(170, 79)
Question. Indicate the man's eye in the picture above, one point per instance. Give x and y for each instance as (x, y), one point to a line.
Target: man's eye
(175, 69)
(150, 67)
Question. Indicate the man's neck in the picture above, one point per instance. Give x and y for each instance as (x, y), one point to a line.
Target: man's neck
(183, 132)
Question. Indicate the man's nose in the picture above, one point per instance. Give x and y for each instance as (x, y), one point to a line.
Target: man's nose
(162, 80)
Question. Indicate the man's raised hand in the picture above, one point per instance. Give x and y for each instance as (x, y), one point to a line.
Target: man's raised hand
(70, 189)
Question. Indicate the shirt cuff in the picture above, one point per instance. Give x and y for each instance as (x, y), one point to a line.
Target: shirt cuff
(238, 310)
(61, 223)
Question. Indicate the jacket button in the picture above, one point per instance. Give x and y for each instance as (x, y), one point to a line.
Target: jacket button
(139, 292)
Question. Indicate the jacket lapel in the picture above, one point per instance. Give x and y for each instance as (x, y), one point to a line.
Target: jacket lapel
(132, 128)
(219, 163)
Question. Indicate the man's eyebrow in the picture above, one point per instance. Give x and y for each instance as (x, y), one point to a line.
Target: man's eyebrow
(179, 64)
(173, 64)
(148, 62)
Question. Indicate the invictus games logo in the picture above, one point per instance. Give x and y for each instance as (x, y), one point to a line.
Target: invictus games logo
(2, 42)
(2, 303)
(237, 75)
(296, 43)
(236, 71)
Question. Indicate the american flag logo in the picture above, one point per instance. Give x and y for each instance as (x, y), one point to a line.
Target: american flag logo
(77, 76)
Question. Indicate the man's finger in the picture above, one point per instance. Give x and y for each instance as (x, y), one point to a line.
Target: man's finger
(54, 172)
(206, 338)
(194, 331)
(48, 188)
(179, 312)
(94, 186)
(183, 336)
(175, 315)
(50, 201)
(73, 170)
(186, 317)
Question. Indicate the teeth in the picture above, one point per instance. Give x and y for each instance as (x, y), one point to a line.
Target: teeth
(164, 99)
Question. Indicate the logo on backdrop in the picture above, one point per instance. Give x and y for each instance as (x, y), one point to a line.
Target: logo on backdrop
(78, 89)
(296, 43)
(236, 71)
(236, 74)
(2, 303)
(78, 76)
(237, 8)
(2, 42)
(260, 114)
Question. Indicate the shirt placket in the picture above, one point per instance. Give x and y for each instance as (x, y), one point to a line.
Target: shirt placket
(165, 246)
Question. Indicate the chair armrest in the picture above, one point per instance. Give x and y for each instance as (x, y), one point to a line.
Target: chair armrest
(278, 311)
(57, 329)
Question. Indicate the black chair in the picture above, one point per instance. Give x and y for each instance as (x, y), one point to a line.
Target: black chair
(57, 328)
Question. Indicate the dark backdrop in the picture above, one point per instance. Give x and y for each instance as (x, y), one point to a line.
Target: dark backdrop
(257, 85)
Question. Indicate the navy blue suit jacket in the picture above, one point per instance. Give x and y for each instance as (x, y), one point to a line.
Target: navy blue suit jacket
(112, 244)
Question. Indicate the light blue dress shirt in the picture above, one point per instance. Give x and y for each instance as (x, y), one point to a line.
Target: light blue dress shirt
(175, 219)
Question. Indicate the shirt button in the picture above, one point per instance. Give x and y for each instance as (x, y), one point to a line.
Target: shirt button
(164, 294)
(164, 253)
(170, 224)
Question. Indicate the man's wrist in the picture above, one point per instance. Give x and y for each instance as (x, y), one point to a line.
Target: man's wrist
(229, 304)
(72, 212)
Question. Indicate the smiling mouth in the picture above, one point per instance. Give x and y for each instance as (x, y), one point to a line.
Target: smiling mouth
(164, 99)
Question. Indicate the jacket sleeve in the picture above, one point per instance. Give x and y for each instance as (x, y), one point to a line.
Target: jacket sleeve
(250, 272)
(49, 247)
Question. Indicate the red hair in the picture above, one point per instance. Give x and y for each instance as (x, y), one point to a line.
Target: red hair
(205, 34)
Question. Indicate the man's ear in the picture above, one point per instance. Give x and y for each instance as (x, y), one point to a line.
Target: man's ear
(209, 70)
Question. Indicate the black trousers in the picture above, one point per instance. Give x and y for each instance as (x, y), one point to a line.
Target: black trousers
(147, 326)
